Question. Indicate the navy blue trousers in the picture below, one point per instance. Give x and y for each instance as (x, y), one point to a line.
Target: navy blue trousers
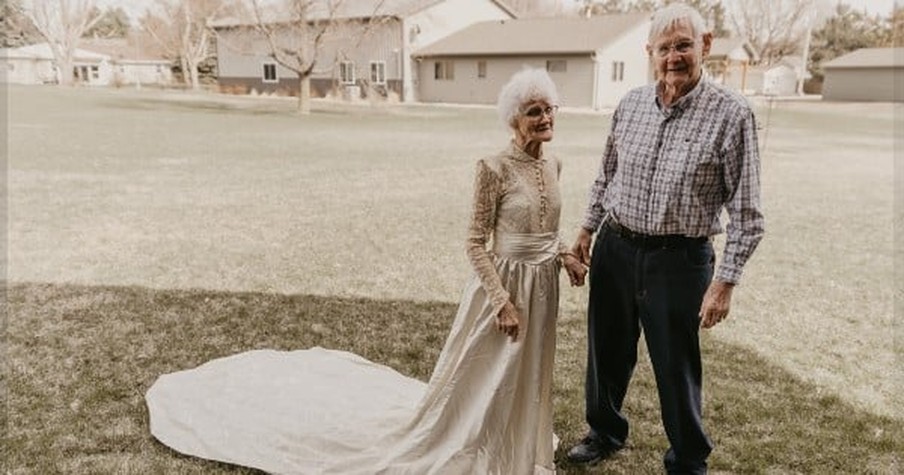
(658, 290)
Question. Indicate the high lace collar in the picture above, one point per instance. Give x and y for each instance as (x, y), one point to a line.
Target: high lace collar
(518, 154)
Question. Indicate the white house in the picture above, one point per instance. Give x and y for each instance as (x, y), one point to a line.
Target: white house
(34, 64)
(97, 64)
(132, 62)
(594, 61)
(781, 79)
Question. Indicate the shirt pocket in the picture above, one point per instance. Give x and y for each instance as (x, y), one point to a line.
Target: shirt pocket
(704, 170)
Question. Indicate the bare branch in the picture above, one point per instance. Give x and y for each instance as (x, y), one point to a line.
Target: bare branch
(61, 23)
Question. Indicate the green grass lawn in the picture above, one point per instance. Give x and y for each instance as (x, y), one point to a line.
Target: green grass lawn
(151, 232)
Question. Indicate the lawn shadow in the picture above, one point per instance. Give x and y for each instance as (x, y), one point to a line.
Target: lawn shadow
(80, 359)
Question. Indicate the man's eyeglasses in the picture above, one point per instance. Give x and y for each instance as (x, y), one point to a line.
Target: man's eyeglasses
(537, 111)
(681, 47)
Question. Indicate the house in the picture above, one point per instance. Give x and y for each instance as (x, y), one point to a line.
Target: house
(132, 61)
(729, 62)
(594, 61)
(868, 74)
(34, 64)
(782, 78)
(380, 61)
(93, 65)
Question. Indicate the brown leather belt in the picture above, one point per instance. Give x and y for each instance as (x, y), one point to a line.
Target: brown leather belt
(651, 240)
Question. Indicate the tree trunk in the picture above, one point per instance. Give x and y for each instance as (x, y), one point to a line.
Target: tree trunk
(64, 72)
(186, 73)
(193, 75)
(304, 95)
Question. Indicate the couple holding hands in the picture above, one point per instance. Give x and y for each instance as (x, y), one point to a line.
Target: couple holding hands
(679, 152)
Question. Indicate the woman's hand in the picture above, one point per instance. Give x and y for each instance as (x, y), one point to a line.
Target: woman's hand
(508, 320)
(575, 269)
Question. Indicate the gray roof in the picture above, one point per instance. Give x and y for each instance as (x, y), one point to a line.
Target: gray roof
(536, 36)
(349, 9)
(869, 58)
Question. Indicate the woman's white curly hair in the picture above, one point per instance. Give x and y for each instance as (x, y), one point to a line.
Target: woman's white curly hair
(675, 14)
(529, 84)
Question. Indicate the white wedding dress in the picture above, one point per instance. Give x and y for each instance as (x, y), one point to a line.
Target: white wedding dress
(487, 408)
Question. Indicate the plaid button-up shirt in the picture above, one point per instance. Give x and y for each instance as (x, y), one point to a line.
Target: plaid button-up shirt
(672, 170)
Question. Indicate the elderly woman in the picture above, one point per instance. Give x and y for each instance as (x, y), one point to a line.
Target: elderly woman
(488, 406)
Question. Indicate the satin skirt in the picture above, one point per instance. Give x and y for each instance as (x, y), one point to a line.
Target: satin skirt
(487, 408)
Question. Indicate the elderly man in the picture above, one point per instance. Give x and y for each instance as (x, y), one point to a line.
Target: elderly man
(679, 152)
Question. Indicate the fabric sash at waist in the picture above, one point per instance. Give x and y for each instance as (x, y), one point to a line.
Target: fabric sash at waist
(528, 248)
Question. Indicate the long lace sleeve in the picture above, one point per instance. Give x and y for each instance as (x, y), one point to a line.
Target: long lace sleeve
(488, 189)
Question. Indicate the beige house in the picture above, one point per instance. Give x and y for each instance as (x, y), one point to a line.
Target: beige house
(729, 63)
(593, 61)
(868, 74)
(368, 52)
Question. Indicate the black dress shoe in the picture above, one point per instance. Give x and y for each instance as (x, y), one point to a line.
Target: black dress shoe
(590, 451)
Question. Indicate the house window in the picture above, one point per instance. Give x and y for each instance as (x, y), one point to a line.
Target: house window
(618, 71)
(557, 65)
(378, 72)
(347, 72)
(444, 70)
(482, 69)
(95, 72)
(270, 72)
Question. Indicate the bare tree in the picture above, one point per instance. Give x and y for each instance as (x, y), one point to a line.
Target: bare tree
(181, 28)
(712, 10)
(61, 23)
(15, 27)
(293, 33)
(114, 23)
(776, 28)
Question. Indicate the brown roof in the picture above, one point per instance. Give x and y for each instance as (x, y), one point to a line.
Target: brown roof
(869, 58)
(356, 9)
(535, 35)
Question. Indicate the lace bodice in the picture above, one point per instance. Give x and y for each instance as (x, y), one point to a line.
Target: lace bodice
(513, 193)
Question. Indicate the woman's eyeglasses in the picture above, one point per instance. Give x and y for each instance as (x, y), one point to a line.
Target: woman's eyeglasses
(681, 47)
(537, 111)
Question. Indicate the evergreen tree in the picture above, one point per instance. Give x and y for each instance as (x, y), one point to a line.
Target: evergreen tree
(848, 30)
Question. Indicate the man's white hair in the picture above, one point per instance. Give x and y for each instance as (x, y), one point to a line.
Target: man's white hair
(529, 84)
(673, 15)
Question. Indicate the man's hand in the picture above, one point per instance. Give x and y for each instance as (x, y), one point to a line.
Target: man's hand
(716, 303)
(509, 320)
(581, 248)
(575, 269)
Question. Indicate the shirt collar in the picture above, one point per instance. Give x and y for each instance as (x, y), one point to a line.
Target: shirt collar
(685, 100)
